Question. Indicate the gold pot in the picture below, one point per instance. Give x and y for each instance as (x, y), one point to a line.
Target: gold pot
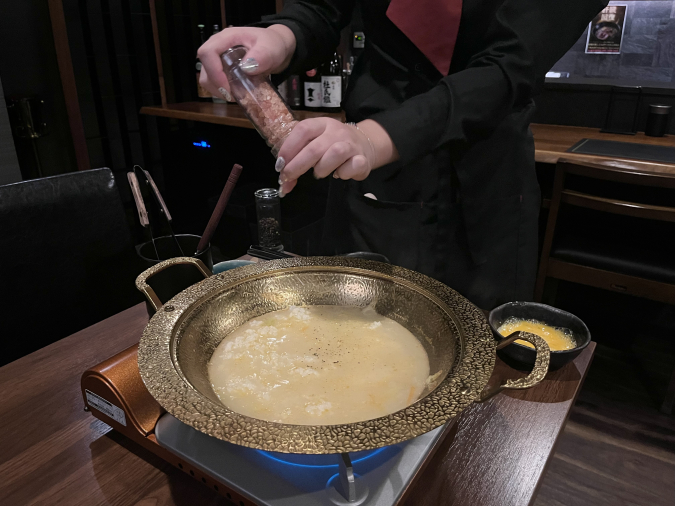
(182, 335)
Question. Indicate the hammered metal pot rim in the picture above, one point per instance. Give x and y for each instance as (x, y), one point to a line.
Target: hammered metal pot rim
(458, 390)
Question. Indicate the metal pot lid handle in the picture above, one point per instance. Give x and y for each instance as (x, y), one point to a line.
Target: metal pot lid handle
(142, 280)
(538, 371)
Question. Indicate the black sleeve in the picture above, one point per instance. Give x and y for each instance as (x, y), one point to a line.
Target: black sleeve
(316, 25)
(524, 40)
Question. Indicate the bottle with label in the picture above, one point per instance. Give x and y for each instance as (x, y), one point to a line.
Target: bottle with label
(217, 100)
(313, 101)
(294, 92)
(331, 85)
(202, 93)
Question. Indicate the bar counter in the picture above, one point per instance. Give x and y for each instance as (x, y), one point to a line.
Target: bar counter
(551, 143)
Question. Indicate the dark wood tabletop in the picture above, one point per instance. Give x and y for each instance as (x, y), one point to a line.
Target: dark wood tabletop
(551, 143)
(53, 452)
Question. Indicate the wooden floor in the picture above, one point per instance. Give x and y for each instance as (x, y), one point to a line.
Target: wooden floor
(617, 448)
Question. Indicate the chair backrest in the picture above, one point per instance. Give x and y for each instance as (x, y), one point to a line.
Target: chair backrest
(66, 258)
(623, 175)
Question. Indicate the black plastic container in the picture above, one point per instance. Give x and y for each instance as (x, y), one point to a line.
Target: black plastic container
(657, 120)
(166, 247)
(177, 278)
(520, 355)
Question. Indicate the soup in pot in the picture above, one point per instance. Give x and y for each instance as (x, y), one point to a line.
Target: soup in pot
(319, 365)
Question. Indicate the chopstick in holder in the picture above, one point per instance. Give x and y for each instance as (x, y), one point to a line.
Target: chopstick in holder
(162, 208)
(138, 199)
(220, 208)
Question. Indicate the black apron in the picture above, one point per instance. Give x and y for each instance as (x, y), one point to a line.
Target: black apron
(478, 235)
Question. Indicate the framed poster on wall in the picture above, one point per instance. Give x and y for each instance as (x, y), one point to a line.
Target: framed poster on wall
(605, 32)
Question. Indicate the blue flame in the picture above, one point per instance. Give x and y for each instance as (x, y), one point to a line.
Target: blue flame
(368, 455)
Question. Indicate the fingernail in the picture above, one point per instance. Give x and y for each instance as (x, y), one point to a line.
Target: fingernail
(249, 64)
(226, 94)
(335, 175)
(281, 192)
(280, 182)
(282, 178)
(281, 163)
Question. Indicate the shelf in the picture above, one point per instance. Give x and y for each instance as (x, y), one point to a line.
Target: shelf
(220, 114)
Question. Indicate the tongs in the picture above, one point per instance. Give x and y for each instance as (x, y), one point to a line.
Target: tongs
(161, 205)
(142, 186)
(140, 207)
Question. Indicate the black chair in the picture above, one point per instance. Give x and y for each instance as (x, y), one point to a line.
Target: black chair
(67, 258)
(612, 228)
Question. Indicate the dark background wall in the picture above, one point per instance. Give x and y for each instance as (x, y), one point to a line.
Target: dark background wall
(647, 53)
(115, 68)
(28, 68)
(647, 60)
(587, 104)
(9, 165)
(114, 63)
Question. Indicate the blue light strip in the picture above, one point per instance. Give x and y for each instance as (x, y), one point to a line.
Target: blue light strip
(312, 466)
(202, 144)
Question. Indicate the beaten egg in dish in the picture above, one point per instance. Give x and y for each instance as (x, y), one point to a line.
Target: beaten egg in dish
(558, 338)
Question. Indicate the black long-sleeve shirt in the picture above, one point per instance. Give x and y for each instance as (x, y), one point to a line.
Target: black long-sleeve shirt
(462, 202)
(504, 49)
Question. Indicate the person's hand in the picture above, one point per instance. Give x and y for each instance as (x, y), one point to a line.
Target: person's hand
(333, 147)
(269, 52)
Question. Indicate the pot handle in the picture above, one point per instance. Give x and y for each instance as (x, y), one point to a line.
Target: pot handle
(142, 279)
(538, 371)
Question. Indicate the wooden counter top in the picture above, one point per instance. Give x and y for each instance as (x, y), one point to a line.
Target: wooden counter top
(219, 114)
(53, 452)
(551, 143)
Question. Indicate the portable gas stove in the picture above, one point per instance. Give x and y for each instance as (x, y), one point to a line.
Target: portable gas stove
(114, 393)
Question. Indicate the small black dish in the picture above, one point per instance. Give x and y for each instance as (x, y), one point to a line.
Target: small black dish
(524, 355)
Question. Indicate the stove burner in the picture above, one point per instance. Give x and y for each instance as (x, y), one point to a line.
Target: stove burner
(318, 461)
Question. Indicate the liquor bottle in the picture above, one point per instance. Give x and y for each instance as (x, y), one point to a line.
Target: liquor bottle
(313, 100)
(202, 93)
(294, 95)
(331, 85)
(283, 90)
(346, 74)
(217, 100)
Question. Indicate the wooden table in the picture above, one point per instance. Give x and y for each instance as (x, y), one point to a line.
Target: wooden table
(551, 143)
(52, 452)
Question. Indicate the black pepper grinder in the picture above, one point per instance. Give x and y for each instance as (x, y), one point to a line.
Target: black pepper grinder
(657, 120)
(268, 211)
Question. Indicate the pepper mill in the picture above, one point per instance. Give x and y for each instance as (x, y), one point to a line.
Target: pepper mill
(268, 211)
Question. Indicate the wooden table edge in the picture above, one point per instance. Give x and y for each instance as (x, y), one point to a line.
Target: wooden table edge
(592, 345)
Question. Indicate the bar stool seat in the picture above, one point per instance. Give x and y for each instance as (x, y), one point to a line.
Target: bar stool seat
(649, 259)
(614, 242)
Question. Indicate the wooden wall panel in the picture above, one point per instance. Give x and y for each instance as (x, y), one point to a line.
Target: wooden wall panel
(68, 82)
